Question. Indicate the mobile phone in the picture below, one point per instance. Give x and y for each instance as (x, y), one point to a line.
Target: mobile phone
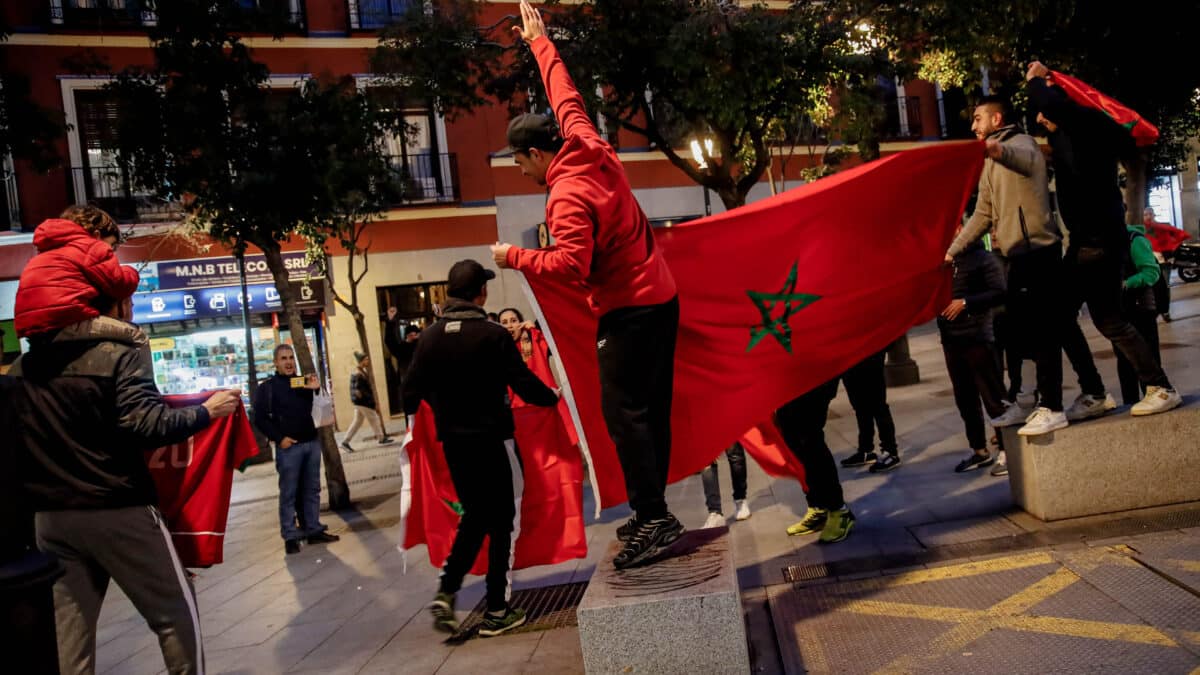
(298, 382)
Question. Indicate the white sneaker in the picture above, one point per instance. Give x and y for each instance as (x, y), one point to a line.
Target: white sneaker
(743, 510)
(1158, 399)
(1043, 421)
(1087, 406)
(1012, 416)
(714, 520)
(1000, 468)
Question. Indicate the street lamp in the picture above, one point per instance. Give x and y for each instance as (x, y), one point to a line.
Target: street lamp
(701, 157)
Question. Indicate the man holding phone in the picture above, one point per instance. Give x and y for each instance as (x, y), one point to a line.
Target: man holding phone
(283, 412)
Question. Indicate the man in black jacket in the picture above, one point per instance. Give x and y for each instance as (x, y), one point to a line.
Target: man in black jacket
(88, 408)
(283, 412)
(463, 367)
(1087, 146)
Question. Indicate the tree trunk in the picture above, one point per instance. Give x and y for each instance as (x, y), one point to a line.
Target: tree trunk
(731, 198)
(335, 475)
(1135, 185)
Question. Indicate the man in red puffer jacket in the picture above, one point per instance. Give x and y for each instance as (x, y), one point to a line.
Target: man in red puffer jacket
(602, 238)
(76, 264)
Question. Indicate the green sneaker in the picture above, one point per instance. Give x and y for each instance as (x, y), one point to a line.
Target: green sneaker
(837, 526)
(442, 609)
(497, 625)
(814, 521)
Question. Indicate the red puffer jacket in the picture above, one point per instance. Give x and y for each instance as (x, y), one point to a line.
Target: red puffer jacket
(72, 269)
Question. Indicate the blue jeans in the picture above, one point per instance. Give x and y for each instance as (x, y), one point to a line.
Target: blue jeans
(299, 469)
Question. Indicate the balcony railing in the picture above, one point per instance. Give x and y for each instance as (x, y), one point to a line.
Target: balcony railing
(111, 189)
(366, 14)
(903, 119)
(424, 178)
(101, 13)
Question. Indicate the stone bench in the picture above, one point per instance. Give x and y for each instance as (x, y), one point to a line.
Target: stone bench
(680, 615)
(1114, 463)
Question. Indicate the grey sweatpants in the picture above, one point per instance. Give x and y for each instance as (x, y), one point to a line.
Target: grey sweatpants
(132, 547)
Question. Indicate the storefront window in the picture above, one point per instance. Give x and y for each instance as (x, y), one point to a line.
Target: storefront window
(416, 305)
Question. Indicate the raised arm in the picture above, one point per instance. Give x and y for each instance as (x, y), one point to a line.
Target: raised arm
(565, 100)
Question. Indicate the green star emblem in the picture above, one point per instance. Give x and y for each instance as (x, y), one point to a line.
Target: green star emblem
(778, 326)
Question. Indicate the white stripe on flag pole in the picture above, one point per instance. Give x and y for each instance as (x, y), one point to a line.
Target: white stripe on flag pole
(565, 385)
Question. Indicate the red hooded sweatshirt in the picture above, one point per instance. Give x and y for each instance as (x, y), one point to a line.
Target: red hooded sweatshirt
(601, 236)
(72, 269)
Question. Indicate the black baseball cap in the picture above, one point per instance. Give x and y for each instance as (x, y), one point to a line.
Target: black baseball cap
(531, 130)
(466, 279)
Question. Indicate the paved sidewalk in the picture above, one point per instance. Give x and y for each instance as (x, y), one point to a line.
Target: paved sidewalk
(350, 608)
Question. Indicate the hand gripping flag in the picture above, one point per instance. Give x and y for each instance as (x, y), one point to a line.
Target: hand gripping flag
(776, 298)
(1143, 132)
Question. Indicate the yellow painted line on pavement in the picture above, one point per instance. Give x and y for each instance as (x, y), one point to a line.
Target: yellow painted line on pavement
(1096, 630)
(1025, 600)
(1185, 565)
(963, 570)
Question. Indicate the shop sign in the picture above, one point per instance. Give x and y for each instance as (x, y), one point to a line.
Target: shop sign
(218, 301)
(168, 275)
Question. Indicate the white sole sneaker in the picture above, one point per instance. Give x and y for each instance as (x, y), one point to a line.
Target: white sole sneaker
(714, 520)
(1157, 400)
(743, 510)
(1043, 422)
(1078, 413)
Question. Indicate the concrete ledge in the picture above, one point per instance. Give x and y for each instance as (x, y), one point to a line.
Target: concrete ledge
(680, 615)
(1114, 463)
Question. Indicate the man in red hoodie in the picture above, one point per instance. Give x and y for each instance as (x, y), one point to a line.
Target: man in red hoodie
(602, 238)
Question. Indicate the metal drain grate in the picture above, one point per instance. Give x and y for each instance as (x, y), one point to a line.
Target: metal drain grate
(545, 608)
(796, 573)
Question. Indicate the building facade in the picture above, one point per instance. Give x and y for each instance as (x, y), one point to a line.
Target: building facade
(466, 195)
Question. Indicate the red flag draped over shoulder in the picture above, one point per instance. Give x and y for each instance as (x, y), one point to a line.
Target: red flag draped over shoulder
(776, 298)
(1143, 132)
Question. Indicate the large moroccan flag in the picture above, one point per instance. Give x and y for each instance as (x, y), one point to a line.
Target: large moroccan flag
(549, 528)
(776, 298)
(1143, 132)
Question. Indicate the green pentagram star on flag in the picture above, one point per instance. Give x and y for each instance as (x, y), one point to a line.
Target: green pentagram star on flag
(778, 326)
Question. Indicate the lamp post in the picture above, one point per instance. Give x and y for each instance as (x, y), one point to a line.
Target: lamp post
(701, 157)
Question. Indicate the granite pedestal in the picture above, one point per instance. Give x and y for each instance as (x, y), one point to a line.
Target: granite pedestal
(680, 615)
(1114, 463)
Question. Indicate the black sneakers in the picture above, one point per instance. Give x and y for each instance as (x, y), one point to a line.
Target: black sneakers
(975, 461)
(625, 532)
(860, 458)
(651, 539)
(498, 625)
(291, 546)
(886, 462)
(322, 538)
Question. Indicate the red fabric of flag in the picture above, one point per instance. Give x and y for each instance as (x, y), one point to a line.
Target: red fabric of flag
(776, 298)
(551, 527)
(1143, 132)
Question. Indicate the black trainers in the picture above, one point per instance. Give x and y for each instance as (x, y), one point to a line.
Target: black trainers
(442, 609)
(975, 461)
(860, 458)
(322, 538)
(652, 538)
(347, 447)
(386, 440)
(886, 462)
(497, 625)
(291, 546)
(625, 532)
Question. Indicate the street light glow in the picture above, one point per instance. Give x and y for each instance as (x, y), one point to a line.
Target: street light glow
(698, 154)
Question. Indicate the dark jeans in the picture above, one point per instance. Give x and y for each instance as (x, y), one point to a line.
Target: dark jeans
(1162, 289)
(1146, 324)
(1032, 307)
(299, 469)
(635, 347)
(1008, 352)
(1093, 275)
(866, 387)
(801, 422)
(483, 473)
(974, 376)
(736, 455)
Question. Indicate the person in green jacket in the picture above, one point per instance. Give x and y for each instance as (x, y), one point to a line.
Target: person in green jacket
(1137, 304)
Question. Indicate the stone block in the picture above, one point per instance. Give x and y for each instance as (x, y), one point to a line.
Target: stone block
(1115, 463)
(680, 615)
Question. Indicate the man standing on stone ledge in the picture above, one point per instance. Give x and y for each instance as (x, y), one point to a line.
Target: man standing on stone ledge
(602, 238)
(463, 368)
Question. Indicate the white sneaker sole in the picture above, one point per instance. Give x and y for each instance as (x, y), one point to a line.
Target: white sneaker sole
(1169, 406)
(1023, 431)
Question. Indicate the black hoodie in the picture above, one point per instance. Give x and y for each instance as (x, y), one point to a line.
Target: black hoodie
(463, 367)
